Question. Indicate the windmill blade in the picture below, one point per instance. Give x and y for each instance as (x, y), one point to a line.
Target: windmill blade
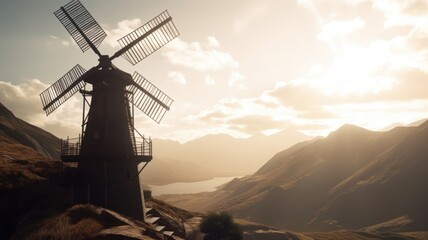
(63, 89)
(147, 39)
(148, 98)
(81, 25)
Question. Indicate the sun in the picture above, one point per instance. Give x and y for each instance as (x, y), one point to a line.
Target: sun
(354, 70)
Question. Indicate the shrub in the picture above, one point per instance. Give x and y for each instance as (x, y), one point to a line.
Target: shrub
(220, 226)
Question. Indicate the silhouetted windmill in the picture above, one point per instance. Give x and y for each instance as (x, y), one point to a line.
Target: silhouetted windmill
(107, 152)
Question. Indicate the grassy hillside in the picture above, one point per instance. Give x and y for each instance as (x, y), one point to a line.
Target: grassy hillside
(16, 131)
(92, 222)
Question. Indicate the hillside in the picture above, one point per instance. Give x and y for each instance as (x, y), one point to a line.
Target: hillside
(16, 131)
(93, 222)
(35, 202)
(352, 179)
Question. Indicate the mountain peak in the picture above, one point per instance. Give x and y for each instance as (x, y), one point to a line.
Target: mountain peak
(349, 131)
(350, 128)
(4, 111)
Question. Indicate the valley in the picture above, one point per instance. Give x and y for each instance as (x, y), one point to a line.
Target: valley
(352, 179)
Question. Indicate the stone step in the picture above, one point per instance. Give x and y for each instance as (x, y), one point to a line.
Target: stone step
(147, 209)
(159, 228)
(169, 233)
(151, 220)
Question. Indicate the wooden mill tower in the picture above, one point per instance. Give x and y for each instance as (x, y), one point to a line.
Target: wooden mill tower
(108, 151)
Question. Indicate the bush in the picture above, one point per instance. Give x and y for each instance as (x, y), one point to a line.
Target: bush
(220, 226)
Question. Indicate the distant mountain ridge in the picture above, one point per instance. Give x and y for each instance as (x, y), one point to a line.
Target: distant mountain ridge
(223, 155)
(352, 179)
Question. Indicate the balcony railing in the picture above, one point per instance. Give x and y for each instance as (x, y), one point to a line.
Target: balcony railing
(71, 146)
(143, 146)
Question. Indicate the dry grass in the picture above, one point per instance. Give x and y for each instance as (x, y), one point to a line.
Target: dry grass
(29, 182)
(78, 222)
(416, 235)
(21, 165)
(64, 230)
(9, 149)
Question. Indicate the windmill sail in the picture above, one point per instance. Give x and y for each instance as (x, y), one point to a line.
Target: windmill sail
(62, 89)
(147, 39)
(81, 25)
(148, 98)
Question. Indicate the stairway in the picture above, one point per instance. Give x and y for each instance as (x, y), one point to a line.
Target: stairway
(131, 126)
(154, 218)
(132, 135)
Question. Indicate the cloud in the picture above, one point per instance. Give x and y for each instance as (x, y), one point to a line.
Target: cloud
(300, 97)
(236, 79)
(199, 56)
(24, 101)
(177, 77)
(246, 116)
(61, 41)
(355, 2)
(411, 84)
(123, 28)
(376, 74)
(65, 43)
(209, 80)
(309, 100)
(213, 42)
(338, 30)
(377, 115)
(411, 13)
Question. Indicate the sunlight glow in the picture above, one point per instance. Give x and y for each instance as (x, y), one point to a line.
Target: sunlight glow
(354, 71)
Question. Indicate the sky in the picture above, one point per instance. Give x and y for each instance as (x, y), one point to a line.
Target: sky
(238, 67)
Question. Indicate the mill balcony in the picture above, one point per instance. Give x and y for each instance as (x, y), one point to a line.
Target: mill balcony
(70, 151)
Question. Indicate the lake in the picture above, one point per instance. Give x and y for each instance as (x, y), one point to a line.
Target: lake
(192, 187)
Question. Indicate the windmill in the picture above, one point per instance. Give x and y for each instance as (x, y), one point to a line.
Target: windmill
(108, 152)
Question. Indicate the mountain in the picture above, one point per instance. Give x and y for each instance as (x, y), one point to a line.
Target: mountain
(29, 171)
(412, 124)
(27, 153)
(161, 171)
(417, 123)
(16, 131)
(218, 155)
(352, 179)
